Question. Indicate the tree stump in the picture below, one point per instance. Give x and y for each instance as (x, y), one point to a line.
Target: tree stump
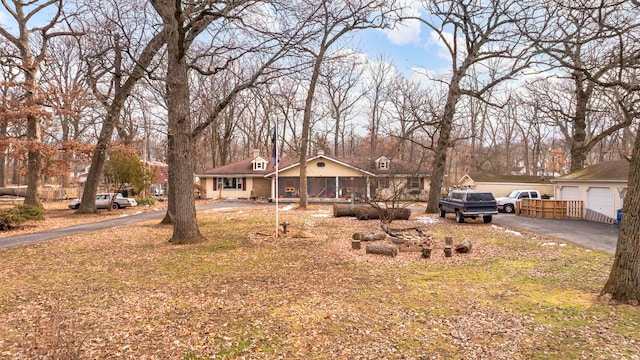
(426, 253)
(448, 243)
(464, 247)
(382, 249)
(369, 236)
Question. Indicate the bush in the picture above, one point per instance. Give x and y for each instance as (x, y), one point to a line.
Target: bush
(146, 201)
(16, 216)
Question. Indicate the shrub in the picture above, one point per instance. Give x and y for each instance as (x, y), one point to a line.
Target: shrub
(146, 201)
(16, 216)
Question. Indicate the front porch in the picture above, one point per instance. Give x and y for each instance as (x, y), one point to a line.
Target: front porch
(323, 189)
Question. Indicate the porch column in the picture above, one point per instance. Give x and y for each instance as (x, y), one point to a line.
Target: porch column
(337, 189)
(273, 188)
(368, 187)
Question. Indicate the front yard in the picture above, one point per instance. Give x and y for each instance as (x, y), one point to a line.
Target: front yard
(127, 293)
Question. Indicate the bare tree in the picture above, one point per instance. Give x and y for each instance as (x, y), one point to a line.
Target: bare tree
(378, 88)
(331, 21)
(118, 51)
(340, 81)
(31, 45)
(483, 34)
(588, 41)
(623, 284)
(234, 21)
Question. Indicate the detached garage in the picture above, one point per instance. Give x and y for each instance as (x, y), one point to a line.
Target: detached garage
(601, 187)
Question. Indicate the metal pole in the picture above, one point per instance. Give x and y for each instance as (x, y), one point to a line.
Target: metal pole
(275, 159)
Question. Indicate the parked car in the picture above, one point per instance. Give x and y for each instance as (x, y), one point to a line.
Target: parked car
(508, 203)
(469, 204)
(103, 200)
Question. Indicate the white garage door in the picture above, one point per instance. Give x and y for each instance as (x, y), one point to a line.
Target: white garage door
(570, 193)
(600, 200)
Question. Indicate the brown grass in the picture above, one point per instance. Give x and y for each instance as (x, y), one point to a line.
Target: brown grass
(127, 293)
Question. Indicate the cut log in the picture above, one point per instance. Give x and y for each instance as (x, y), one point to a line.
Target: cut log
(369, 236)
(464, 247)
(382, 249)
(355, 244)
(13, 191)
(396, 213)
(372, 213)
(348, 209)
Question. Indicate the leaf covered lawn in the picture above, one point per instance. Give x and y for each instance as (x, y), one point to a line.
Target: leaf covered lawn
(243, 294)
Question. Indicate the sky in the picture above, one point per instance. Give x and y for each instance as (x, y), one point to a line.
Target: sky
(411, 47)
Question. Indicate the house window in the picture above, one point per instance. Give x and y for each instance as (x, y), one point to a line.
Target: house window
(382, 163)
(259, 165)
(232, 183)
(320, 164)
(383, 182)
(413, 182)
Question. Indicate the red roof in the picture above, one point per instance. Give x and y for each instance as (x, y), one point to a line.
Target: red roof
(240, 168)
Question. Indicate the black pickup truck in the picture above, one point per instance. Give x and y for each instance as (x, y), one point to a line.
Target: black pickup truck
(469, 204)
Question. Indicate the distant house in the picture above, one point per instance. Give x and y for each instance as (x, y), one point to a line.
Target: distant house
(244, 179)
(160, 173)
(602, 188)
(502, 185)
(327, 178)
(394, 176)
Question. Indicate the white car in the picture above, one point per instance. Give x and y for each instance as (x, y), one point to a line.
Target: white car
(508, 203)
(103, 200)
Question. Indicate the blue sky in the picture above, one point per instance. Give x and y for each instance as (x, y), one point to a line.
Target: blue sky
(409, 46)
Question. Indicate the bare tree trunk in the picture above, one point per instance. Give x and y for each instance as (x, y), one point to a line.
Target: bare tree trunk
(88, 201)
(624, 279)
(306, 124)
(444, 139)
(34, 162)
(3, 157)
(579, 149)
(185, 226)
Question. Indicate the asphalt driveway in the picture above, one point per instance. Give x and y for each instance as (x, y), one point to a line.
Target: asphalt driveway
(593, 235)
(32, 238)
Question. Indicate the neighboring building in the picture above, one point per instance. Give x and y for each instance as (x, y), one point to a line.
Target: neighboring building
(394, 177)
(602, 188)
(502, 185)
(244, 179)
(160, 173)
(327, 178)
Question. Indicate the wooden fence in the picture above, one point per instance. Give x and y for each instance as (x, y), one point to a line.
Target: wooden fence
(551, 209)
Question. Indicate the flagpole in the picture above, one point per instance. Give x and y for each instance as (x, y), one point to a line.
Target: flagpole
(275, 159)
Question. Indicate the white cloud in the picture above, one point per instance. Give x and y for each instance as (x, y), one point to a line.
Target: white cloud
(406, 31)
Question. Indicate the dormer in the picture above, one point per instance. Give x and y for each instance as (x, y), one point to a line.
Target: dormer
(382, 163)
(259, 163)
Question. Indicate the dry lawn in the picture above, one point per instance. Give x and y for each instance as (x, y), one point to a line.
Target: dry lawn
(127, 293)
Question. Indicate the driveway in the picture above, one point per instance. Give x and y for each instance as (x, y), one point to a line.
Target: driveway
(593, 235)
(32, 238)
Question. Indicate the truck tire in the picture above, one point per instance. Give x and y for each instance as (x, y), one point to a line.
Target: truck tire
(442, 213)
(487, 219)
(459, 216)
(508, 208)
